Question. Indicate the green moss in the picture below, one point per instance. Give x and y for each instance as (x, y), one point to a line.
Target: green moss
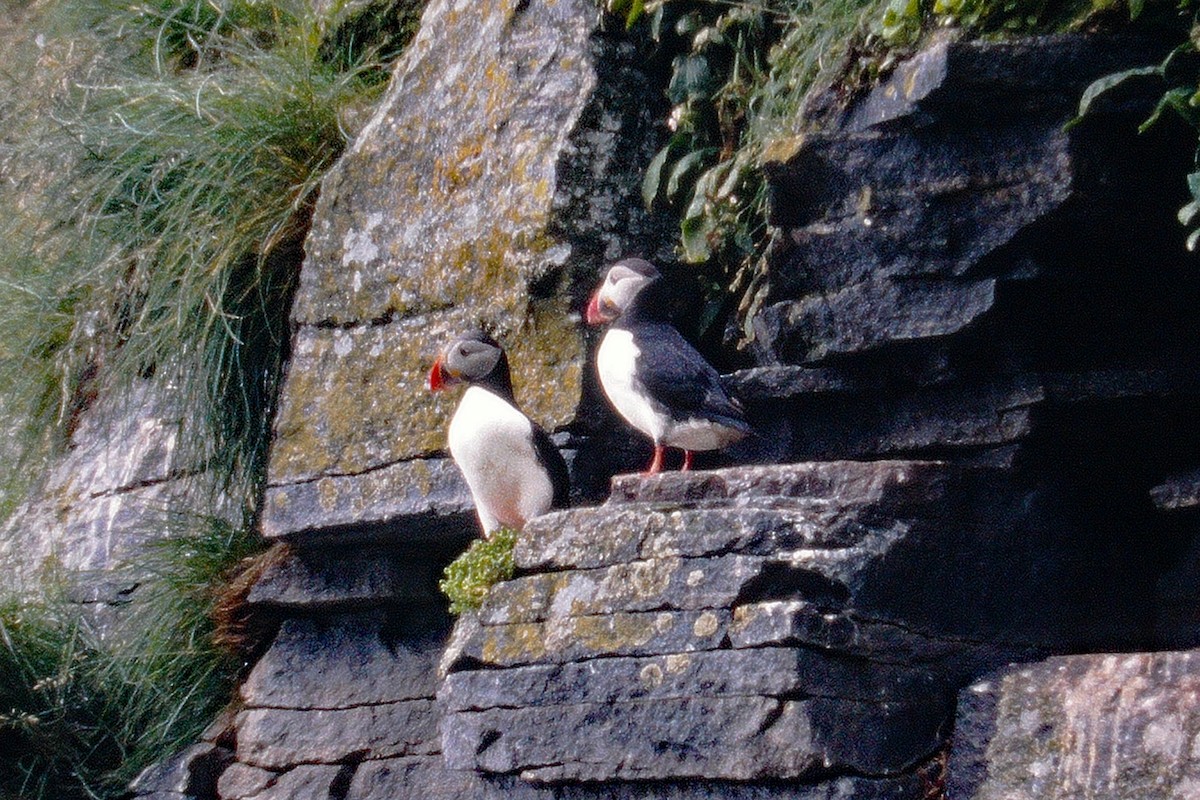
(470, 577)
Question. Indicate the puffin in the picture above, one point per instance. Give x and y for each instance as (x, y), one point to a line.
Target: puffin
(652, 376)
(513, 470)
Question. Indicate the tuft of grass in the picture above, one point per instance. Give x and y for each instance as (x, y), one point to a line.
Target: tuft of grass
(83, 707)
(470, 577)
(164, 194)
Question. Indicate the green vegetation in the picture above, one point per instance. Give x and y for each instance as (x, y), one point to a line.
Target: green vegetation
(83, 709)
(741, 73)
(486, 562)
(162, 194)
(1180, 74)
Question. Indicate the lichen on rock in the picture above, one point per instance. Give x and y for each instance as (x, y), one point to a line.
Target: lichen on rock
(499, 174)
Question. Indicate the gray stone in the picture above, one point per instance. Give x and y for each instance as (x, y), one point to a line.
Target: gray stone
(567, 638)
(1074, 727)
(1178, 491)
(802, 623)
(766, 672)
(411, 501)
(428, 778)
(349, 660)
(747, 738)
(122, 484)
(192, 771)
(849, 483)
(680, 584)
(282, 738)
(330, 578)
(305, 782)
(241, 781)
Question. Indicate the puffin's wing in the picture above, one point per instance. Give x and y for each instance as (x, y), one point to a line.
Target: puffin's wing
(551, 459)
(675, 375)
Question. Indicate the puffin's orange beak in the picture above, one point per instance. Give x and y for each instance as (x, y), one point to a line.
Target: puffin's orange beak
(593, 315)
(437, 376)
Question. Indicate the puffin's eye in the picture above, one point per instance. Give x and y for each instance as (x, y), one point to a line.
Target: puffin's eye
(462, 351)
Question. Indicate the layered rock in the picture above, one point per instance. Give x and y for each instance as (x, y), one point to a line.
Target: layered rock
(785, 623)
(119, 486)
(956, 283)
(960, 274)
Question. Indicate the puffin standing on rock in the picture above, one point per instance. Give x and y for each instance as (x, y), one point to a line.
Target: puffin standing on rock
(657, 381)
(513, 470)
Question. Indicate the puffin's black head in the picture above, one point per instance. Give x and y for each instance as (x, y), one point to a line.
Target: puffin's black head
(624, 281)
(475, 358)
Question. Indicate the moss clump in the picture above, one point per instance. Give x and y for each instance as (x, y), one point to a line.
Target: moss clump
(486, 562)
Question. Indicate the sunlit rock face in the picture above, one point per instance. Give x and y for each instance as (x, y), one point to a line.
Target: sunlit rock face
(975, 443)
(120, 485)
(1095, 726)
(500, 174)
(753, 624)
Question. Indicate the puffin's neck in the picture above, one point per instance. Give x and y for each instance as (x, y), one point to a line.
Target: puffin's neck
(498, 381)
(649, 305)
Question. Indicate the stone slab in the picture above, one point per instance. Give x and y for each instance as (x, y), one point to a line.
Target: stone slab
(332, 578)
(410, 501)
(726, 739)
(761, 672)
(389, 779)
(349, 660)
(680, 584)
(278, 739)
(565, 639)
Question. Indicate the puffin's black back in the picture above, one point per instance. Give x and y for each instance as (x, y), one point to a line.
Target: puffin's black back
(673, 372)
(551, 459)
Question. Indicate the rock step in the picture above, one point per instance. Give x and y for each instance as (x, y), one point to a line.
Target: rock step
(738, 738)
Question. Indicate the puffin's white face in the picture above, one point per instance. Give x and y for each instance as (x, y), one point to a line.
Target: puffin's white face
(620, 286)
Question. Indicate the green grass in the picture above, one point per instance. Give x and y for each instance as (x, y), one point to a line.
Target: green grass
(83, 709)
(166, 157)
(470, 577)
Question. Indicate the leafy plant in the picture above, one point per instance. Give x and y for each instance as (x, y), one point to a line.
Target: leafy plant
(83, 707)
(1180, 72)
(739, 73)
(469, 578)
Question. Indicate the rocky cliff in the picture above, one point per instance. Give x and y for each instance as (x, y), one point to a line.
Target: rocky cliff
(975, 407)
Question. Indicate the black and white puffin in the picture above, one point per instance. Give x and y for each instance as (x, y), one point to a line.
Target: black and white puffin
(651, 375)
(513, 470)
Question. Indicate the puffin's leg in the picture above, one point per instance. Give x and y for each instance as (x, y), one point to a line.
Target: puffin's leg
(687, 461)
(656, 463)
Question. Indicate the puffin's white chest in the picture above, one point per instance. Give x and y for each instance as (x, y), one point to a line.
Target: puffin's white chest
(492, 443)
(616, 360)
